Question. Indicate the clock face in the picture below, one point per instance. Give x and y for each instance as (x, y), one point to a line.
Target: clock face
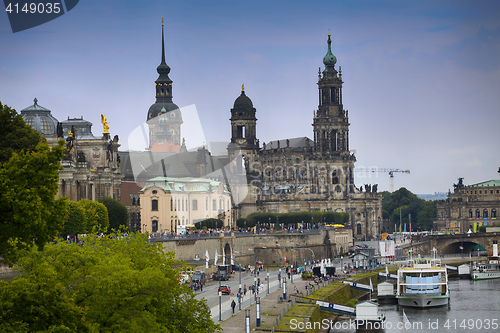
(172, 114)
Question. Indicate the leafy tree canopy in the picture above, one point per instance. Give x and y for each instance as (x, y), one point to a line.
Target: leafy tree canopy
(76, 221)
(108, 284)
(209, 223)
(117, 213)
(96, 215)
(17, 136)
(422, 212)
(29, 214)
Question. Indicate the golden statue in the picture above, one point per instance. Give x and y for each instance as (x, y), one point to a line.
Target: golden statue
(104, 124)
(243, 87)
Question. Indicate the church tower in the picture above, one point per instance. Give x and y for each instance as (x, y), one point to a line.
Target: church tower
(164, 117)
(331, 122)
(243, 130)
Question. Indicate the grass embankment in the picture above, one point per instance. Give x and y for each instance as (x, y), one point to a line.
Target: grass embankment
(336, 292)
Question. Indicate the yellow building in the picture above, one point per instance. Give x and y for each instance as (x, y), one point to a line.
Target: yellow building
(167, 203)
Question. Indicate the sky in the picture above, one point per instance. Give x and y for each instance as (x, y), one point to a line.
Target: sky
(421, 78)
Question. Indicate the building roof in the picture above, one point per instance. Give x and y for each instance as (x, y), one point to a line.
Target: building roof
(83, 128)
(294, 143)
(243, 102)
(40, 119)
(128, 191)
(183, 184)
(495, 182)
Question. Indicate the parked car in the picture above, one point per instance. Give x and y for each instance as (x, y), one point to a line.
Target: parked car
(225, 289)
(236, 268)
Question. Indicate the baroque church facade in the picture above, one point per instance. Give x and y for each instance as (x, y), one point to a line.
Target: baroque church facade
(302, 174)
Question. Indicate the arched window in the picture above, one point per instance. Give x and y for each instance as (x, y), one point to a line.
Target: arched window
(478, 214)
(358, 229)
(335, 178)
(154, 205)
(494, 213)
(470, 214)
(195, 204)
(171, 204)
(485, 213)
(154, 226)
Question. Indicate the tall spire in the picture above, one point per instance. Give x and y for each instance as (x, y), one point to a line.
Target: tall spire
(163, 69)
(162, 44)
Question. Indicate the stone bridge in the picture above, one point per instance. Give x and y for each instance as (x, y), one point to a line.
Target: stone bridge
(447, 244)
(270, 249)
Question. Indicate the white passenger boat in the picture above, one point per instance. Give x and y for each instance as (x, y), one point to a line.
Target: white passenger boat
(423, 283)
(489, 269)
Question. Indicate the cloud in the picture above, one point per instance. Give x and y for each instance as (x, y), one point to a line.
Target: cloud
(466, 150)
(474, 163)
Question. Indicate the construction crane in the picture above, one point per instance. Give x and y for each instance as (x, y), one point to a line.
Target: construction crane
(390, 171)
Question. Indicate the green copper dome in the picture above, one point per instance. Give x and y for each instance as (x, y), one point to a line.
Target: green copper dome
(329, 59)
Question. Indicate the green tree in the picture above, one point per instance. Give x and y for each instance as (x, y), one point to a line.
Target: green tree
(96, 216)
(117, 213)
(76, 220)
(118, 284)
(17, 136)
(29, 214)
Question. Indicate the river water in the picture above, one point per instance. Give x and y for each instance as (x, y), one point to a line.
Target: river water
(474, 307)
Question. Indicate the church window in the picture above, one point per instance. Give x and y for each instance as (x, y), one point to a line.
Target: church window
(494, 213)
(240, 131)
(470, 213)
(195, 204)
(154, 226)
(214, 204)
(162, 91)
(358, 228)
(335, 178)
(478, 213)
(182, 204)
(485, 214)
(171, 204)
(154, 205)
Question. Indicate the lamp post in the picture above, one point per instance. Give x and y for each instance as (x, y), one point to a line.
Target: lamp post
(257, 307)
(247, 321)
(220, 303)
(239, 273)
(255, 286)
(284, 288)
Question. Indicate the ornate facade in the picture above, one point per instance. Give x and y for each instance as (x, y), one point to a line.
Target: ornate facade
(300, 174)
(167, 203)
(469, 207)
(90, 168)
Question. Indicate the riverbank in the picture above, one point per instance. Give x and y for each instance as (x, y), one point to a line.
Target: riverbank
(305, 310)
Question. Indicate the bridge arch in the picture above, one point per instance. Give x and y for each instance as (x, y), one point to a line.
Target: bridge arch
(455, 247)
(227, 253)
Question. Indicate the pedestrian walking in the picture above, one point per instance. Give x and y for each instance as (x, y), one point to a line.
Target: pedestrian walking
(233, 305)
(245, 290)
